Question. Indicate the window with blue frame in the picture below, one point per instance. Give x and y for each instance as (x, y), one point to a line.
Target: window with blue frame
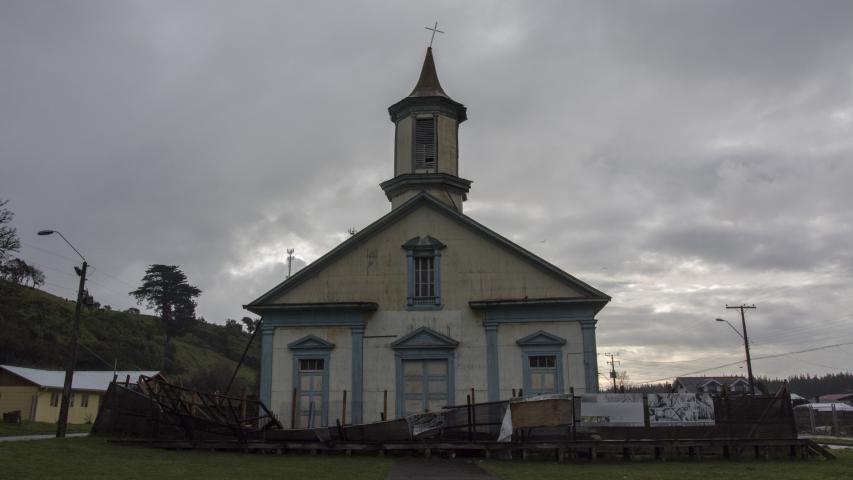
(542, 370)
(423, 256)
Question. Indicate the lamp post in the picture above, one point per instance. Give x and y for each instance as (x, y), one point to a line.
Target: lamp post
(746, 347)
(62, 424)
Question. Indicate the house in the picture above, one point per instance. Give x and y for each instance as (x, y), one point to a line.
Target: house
(425, 306)
(37, 393)
(845, 398)
(710, 384)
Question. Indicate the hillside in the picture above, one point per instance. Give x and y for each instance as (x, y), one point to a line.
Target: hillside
(35, 330)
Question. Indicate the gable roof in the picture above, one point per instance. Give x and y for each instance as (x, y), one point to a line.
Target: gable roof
(422, 199)
(693, 383)
(94, 380)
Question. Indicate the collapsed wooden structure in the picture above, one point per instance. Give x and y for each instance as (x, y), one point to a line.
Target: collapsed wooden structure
(159, 414)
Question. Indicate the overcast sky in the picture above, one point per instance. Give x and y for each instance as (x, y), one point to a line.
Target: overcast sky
(679, 156)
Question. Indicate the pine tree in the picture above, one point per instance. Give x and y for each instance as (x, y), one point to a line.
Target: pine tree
(165, 289)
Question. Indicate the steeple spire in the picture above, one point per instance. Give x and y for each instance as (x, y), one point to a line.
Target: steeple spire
(428, 84)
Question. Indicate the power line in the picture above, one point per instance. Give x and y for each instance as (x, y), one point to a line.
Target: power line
(101, 270)
(60, 286)
(74, 260)
(764, 357)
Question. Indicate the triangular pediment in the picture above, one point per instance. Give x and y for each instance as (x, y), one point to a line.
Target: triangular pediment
(311, 342)
(370, 266)
(424, 338)
(541, 339)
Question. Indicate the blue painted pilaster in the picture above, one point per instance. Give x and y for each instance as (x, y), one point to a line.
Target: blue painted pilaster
(410, 277)
(493, 371)
(437, 277)
(357, 374)
(266, 364)
(590, 356)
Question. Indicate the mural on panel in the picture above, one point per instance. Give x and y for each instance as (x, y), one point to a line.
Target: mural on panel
(612, 410)
(668, 409)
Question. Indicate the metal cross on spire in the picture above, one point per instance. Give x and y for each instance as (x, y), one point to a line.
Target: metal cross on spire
(433, 30)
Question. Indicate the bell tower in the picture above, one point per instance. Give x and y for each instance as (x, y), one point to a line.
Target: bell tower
(426, 143)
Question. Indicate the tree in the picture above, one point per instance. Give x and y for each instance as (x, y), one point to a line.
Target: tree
(250, 324)
(8, 236)
(20, 272)
(165, 289)
(233, 325)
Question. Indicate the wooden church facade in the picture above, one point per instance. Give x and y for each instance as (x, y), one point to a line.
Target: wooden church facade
(425, 303)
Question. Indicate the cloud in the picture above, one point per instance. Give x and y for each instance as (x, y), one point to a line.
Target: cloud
(678, 156)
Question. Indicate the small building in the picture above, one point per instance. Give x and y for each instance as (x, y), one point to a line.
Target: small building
(713, 385)
(37, 393)
(845, 398)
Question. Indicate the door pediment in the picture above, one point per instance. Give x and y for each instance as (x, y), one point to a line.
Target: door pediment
(424, 337)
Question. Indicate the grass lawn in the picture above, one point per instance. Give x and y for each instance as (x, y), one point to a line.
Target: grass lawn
(841, 468)
(35, 428)
(94, 457)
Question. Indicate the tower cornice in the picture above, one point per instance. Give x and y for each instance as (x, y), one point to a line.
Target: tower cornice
(424, 181)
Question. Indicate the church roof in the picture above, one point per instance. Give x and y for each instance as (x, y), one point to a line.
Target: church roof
(428, 84)
(423, 198)
(428, 92)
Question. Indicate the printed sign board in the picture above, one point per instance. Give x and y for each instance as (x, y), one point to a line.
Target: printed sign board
(685, 409)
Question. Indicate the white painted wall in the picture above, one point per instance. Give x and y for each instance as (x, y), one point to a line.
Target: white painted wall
(379, 363)
(340, 369)
(509, 354)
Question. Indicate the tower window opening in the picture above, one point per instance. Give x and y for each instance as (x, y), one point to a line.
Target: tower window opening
(424, 143)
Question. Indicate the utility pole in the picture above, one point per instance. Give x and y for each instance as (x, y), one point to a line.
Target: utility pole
(289, 261)
(612, 364)
(746, 343)
(82, 295)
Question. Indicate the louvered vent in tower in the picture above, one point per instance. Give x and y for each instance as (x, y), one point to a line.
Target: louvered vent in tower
(425, 144)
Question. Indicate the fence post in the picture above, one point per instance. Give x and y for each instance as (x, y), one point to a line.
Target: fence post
(811, 418)
(344, 412)
(834, 420)
(243, 404)
(473, 410)
(293, 409)
(574, 413)
(468, 404)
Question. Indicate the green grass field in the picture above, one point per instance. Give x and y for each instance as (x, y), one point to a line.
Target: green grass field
(94, 457)
(841, 468)
(37, 428)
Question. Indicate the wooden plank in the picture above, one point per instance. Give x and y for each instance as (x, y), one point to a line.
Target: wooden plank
(543, 413)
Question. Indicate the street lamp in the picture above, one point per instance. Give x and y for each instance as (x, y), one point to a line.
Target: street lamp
(62, 424)
(746, 347)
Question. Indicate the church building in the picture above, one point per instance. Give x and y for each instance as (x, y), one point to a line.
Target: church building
(425, 304)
